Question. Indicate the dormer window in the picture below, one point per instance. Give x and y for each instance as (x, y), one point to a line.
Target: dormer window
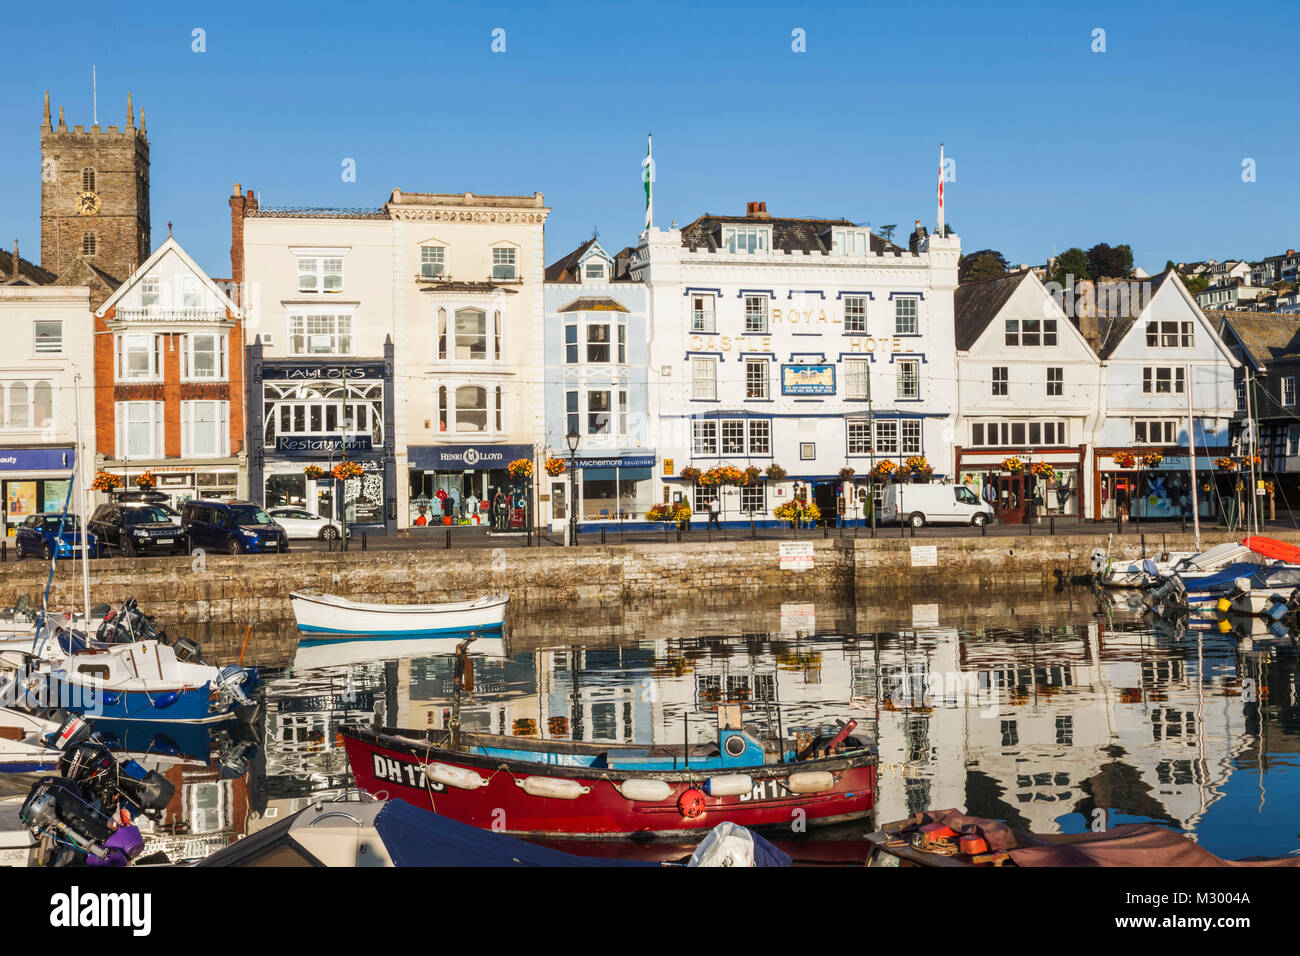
(850, 242)
(746, 239)
(503, 264)
(594, 269)
(433, 261)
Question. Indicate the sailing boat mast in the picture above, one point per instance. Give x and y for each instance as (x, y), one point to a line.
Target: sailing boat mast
(80, 477)
(1191, 458)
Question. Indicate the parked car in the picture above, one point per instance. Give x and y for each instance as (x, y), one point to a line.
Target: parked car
(156, 498)
(46, 533)
(231, 526)
(134, 527)
(299, 523)
(935, 504)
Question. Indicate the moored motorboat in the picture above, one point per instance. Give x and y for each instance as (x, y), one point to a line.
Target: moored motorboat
(577, 790)
(324, 617)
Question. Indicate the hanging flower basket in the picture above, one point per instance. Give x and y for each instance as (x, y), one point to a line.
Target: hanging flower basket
(1041, 469)
(314, 472)
(106, 481)
(1225, 464)
(884, 469)
(752, 474)
(345, 470)
(846, 474)
(1123, 459)
(723, 475)
(555, 466)
(1268, 487)
(689, 474)
(1152, 459)
(775, 472)
(917, 466)
(145, 482)
(1013, 465)
(678, 513)
(520, 468)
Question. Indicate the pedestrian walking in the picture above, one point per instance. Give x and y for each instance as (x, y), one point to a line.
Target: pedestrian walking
(715, 508)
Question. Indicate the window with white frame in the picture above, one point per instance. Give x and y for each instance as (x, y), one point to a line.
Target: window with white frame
(1162, 380)
(191, 293)
(570, 344)
(471, 408)
(139, 430)
(503, 264)
(139, 356)
(733, 437)
(320, 274)
(622, 344)
(905, 316)
(205, 429)
(850, 242)
(760, 436)
(746, 239)
(755, 315)
(622, 412)
(704, 378)
(433, 261)
(1154, 431)
(598, 411)
(47, 337)
(150, 293)
(753, 498)
(909, 378)
(702, 317)
(1055, 381)
(1030, 332)
(594, 268)
(319, 333)
(887, 437)
(855, 313)
(26, 404)
(757, 379)
(1288, 390)
(598, 343)
(1015, 434)
(704, 439)
(855, 378)
(203, 356)
(471, 335)
(1241, 395)
(859, 437)
(1000, 379)
(1293, 440)
(1171, 334)
(910, 436)
(571, 413)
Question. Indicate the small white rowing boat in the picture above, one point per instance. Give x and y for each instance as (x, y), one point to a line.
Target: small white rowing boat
(326, 617)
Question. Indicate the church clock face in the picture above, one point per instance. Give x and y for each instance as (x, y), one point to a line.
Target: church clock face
(88, 204)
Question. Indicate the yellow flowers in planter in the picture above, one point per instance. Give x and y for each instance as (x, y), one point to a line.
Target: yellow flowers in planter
(797, 510)
(555, 467)
(1124, 459)
(520, 468)
(678, 513)
(106, 481)
(347, 469)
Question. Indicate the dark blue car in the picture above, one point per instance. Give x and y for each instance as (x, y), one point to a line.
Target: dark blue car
(231, 526)
(39, 535)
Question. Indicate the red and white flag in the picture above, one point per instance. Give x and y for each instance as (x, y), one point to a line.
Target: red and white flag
(941, 189)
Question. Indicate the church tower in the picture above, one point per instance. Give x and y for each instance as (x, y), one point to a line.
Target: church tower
(94, 194)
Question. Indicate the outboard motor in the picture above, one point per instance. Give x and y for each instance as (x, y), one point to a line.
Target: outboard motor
(1098, 564)
(229, 683)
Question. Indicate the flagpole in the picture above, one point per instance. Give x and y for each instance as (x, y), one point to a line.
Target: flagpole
(649, 184)
(940, 190)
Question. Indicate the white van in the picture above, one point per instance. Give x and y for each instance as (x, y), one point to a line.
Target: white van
(923, 504)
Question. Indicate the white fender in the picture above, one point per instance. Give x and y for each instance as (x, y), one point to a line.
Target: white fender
(552, 787)
(810, 781)
(728, 785)
(649, 791)
(451, 776)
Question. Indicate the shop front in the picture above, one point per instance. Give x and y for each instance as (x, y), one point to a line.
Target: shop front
(305, 419)
(614, 488)
(1022, 485)
(1128, 487)
(34, 480)
(468, 485)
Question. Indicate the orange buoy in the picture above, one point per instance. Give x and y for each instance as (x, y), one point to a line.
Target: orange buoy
(691, 803)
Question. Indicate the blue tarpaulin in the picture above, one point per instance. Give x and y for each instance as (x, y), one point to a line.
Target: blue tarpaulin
(415, 837)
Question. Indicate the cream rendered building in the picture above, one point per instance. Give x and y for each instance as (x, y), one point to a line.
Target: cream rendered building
(468, 316)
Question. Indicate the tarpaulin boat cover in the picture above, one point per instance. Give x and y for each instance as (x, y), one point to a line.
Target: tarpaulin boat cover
(415, 837)
(1223, 580)
(1132, 844)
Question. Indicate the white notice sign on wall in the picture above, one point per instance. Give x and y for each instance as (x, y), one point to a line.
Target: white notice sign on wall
(925, 556)
(796, 556)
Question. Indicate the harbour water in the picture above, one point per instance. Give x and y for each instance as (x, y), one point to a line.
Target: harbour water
(1057, 712)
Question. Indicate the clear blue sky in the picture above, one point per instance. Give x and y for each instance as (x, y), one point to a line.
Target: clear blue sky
(1054, 144)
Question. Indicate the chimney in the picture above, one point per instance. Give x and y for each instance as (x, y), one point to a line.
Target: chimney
(241, 206)
(756, 210)
(918, 233)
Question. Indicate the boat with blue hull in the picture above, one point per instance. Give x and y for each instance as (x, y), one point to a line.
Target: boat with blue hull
(327, 617)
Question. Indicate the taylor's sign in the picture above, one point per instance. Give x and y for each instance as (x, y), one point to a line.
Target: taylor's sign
(796, 556)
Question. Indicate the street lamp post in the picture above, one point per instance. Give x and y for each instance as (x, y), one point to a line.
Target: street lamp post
(572, 439)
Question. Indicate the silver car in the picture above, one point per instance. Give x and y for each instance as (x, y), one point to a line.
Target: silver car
(300, 523)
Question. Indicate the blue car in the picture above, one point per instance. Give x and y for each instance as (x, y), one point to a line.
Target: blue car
(39, 535)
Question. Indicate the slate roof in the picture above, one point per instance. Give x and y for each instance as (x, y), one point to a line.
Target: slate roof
(30, 271)
(595, 304)
(1266, 337)
(976, 304)
(788, 235)
(566, 268)
(1113, 329)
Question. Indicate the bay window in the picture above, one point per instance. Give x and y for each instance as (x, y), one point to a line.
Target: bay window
(320, 334)
(471, 408)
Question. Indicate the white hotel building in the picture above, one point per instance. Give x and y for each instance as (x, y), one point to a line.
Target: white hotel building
(785, 341)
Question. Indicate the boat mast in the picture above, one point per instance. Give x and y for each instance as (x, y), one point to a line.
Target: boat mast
(1250, 455)
(80, 477)
(1191, 458)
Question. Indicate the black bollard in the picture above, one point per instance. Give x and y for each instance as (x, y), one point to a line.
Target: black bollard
(602, 534)
(1119, 522)
(826, 531)
(679, 534)
(363, 541)
(1051, 525)
(753, 531)
(984, 530)
(447, 547)
(1143, 539)
(4, 551)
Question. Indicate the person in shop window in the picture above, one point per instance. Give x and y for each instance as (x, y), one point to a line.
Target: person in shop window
(500, 508)
(471, 507)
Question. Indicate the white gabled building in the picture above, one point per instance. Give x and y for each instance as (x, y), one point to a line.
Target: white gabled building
(784, 341)
(1158, 353)
(1027, 385)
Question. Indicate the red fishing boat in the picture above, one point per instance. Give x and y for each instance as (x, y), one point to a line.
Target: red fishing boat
(572, 789)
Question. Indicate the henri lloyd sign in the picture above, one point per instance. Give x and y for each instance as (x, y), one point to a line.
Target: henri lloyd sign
(464, 457)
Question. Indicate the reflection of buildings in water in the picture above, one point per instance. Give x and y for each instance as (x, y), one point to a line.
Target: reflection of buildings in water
(205, 813)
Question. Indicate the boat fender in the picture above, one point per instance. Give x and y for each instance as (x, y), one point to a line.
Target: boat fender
(450, 776)
(728, 785)
(691, 803)
(1277, 610)
(166, 700)
(552, 787)
(810, 781)
(1224, 605)
(648, 791)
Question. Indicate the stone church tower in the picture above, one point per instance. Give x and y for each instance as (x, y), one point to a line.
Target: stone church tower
(94, 195)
